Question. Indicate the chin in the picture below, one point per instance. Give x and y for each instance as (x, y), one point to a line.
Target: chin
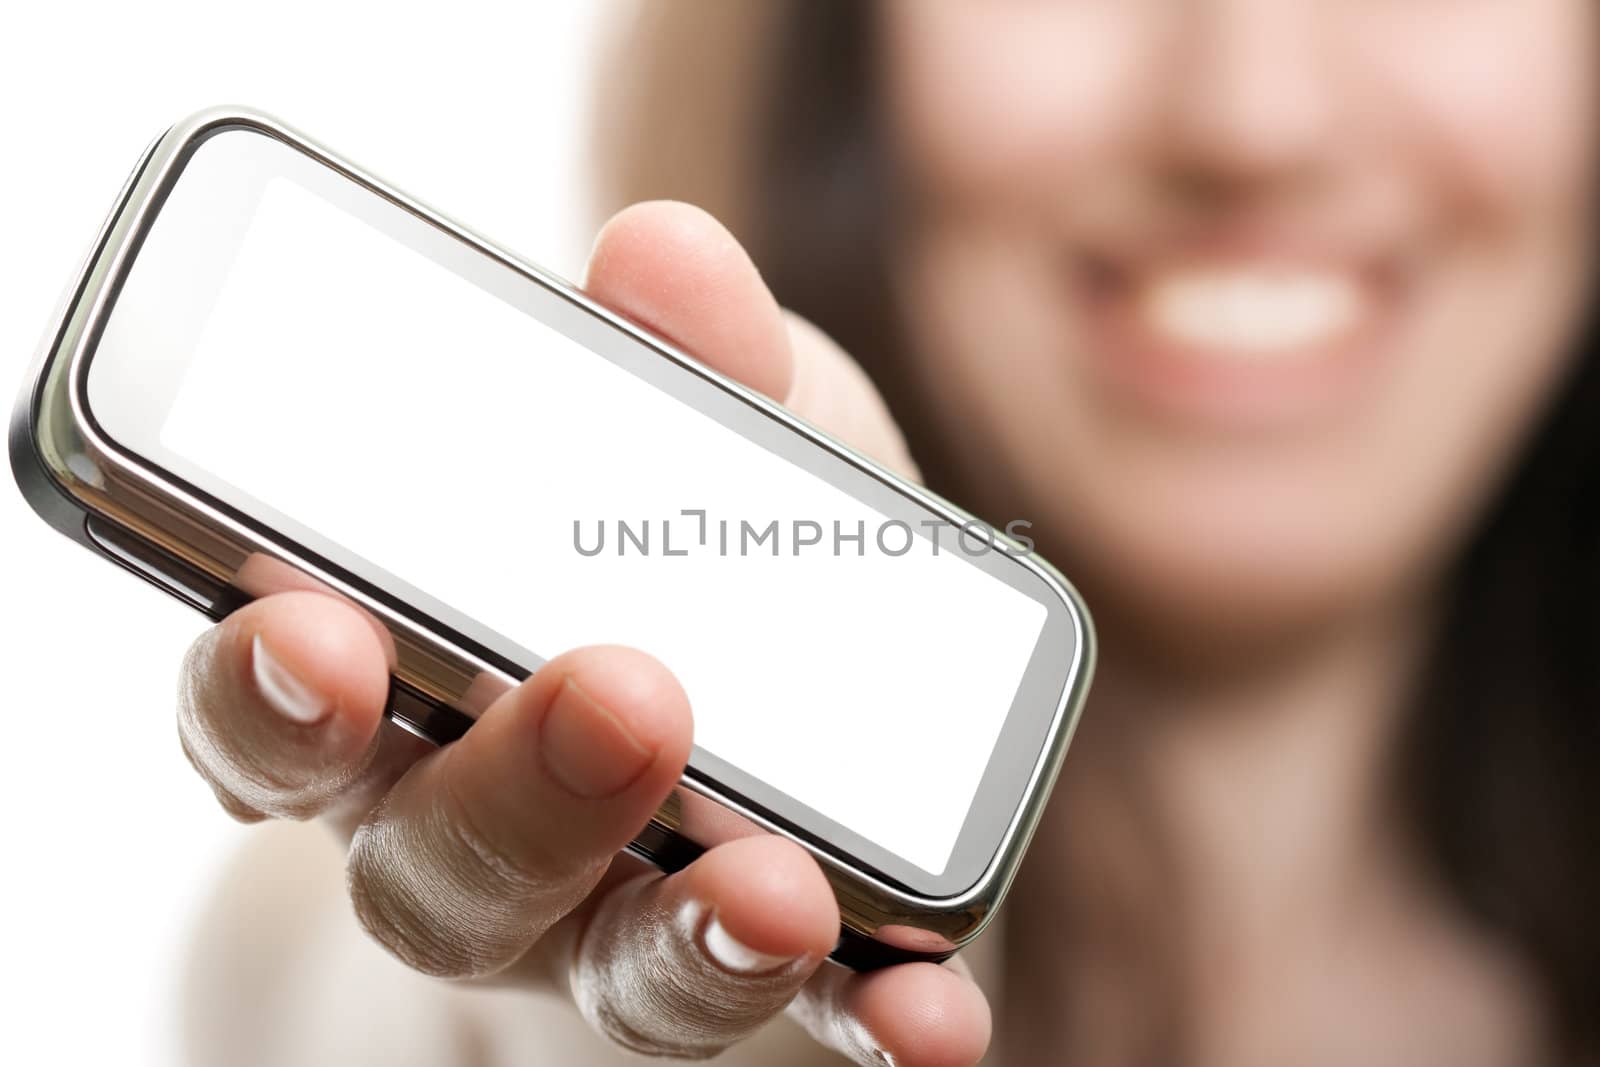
(1201, 584)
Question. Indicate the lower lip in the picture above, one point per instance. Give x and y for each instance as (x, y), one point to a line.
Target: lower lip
(1177, 382)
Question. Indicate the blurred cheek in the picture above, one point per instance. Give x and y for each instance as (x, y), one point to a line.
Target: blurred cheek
(988, 97)
(1503, 91)
(1493, 123)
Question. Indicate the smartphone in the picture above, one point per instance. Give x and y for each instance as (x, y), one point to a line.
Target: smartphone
(277, 371)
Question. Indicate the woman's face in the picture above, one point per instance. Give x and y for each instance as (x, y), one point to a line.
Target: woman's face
(1244, 304)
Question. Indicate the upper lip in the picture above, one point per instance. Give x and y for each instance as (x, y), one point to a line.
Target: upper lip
(1113, 266)
(1338, 242)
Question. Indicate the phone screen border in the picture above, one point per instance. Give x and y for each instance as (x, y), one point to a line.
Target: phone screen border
(1047, 697)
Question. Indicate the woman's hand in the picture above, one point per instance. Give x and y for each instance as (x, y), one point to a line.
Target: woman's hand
(495, 858)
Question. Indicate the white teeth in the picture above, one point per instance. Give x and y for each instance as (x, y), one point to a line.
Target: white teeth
(1250, 313)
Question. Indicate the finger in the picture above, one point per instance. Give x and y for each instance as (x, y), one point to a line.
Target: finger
(675, 269)
(279, 704)
(912, 1015)
(483, 845)
(830, 389)
(261, 575)
(687, 965)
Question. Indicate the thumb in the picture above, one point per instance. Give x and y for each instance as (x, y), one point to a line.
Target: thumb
(674, 269)
(830, 389)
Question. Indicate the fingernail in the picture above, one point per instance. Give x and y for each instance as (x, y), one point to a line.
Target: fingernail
(733, 955)
(283, 692)
(586, 748)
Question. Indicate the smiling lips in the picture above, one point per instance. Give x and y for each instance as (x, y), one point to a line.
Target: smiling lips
(1235, 341)
(1254, 314)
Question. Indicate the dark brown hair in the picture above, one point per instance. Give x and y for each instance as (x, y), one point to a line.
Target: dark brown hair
(767, 115)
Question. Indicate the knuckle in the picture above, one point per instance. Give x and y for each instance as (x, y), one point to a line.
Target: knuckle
(444, 899)
(230, 803)
(247, 779)
(385, 897)
(195, 688)
(641, 980)
(654, 1012)
(621, 1032)
(505, 871)
(254, 773)
(236, 809)
(526, 869)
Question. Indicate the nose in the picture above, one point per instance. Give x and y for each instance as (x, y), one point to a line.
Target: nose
(1247, 97)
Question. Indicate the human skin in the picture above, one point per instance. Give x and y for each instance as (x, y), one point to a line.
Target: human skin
(1077, 171)
(1086, 180)
(1258, 510)
(495, 859)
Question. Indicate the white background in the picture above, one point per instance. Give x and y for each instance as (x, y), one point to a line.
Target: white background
(110, 840)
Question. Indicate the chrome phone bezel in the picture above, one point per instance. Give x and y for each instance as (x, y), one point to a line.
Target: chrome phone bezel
(181, 532)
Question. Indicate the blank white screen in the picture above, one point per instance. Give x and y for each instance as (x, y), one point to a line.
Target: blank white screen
(451, 439)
